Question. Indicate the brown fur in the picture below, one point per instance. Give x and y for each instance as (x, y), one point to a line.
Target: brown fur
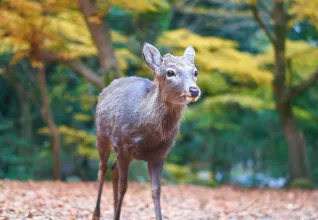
(140, 119)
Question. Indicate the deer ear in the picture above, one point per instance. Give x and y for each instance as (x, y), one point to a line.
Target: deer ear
(189, 54)
(152, 57)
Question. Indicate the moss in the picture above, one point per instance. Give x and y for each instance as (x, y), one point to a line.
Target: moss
(301, 183)
(184, 174)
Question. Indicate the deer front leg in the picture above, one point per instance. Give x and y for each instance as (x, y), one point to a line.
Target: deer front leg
(122, 165)
(155, 169)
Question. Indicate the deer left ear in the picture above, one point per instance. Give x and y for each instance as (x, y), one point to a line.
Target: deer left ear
(152, 57)
(189, 54)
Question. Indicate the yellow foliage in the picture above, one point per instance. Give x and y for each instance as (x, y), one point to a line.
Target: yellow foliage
(242, 100)
(79, 142)
(141, 6)
(82, 117)
(214, 53)
(212, 83)
(181, 38)
(25, 8)
(58, 26)
(215, 11)
(123, 56)
(83, 142)
(181, 173)
(302, 56)
(304, 9)
(299, 9)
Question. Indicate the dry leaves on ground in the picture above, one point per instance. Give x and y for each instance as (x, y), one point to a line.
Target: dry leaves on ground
(70, 201)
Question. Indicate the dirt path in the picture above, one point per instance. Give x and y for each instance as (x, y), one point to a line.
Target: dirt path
(58, 200)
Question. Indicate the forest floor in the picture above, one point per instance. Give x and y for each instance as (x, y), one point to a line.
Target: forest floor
(70, 201)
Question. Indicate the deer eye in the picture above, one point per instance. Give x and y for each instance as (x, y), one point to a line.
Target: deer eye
(196, 73)
(170, 73)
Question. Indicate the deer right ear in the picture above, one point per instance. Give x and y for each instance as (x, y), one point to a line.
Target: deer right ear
(152, 57)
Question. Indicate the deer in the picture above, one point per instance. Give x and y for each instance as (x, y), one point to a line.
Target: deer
(139, 119)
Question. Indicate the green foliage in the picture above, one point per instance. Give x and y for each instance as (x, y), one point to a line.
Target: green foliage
(17, 156)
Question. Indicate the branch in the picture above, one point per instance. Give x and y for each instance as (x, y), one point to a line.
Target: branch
(76, 66)
(262, 24)
(88, 74)
(303, 86)
(100, 33)
(48, 117)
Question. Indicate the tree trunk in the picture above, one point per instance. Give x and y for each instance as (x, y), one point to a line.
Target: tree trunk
(100, 33)
(47, 115)
(25, 115)
(298, 160)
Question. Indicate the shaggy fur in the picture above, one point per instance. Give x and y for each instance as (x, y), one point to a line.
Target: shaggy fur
(140, 119)
(144, 115)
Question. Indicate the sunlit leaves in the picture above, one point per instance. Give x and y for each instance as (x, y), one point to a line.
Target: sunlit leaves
(304, 9)
(212, 83)
(214, 53)
(142, 6)
(80, 142)
(301, 60)
(125, 57)
(242, 100)
(173, 39)
(82, 117)
(59, 27)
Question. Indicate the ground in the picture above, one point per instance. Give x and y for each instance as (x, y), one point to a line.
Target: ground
(69, 201)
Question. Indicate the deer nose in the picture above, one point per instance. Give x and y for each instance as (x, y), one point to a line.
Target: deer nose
(194, 91)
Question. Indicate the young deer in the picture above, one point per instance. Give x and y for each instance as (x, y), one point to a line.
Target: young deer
(140, 119)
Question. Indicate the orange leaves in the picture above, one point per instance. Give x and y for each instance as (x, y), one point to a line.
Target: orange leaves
(95, 19)
(37, 64)
(25, 8)
(18, 56)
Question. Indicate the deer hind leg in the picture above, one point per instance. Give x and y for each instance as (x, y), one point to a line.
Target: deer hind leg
(115, 175)
(103, 147)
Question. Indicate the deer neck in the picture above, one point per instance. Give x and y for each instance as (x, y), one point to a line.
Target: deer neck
(158, 113)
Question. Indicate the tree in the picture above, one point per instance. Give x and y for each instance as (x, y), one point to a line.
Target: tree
(64, 31)
(284, 86)
(284, 94)
(60, 38)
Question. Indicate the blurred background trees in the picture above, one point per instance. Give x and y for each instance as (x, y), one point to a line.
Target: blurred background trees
(256, 124)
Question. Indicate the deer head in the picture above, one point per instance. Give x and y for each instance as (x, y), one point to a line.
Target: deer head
(176, 76)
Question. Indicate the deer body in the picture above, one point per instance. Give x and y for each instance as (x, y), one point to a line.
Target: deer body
(140, 119)
(135, 118)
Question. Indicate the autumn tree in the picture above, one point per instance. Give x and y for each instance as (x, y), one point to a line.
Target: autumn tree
(275, 18)
(64, 31)
(292, 60)
(76, 36)
(284, 93)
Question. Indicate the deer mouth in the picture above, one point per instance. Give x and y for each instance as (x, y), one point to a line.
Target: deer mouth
(189, 98)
